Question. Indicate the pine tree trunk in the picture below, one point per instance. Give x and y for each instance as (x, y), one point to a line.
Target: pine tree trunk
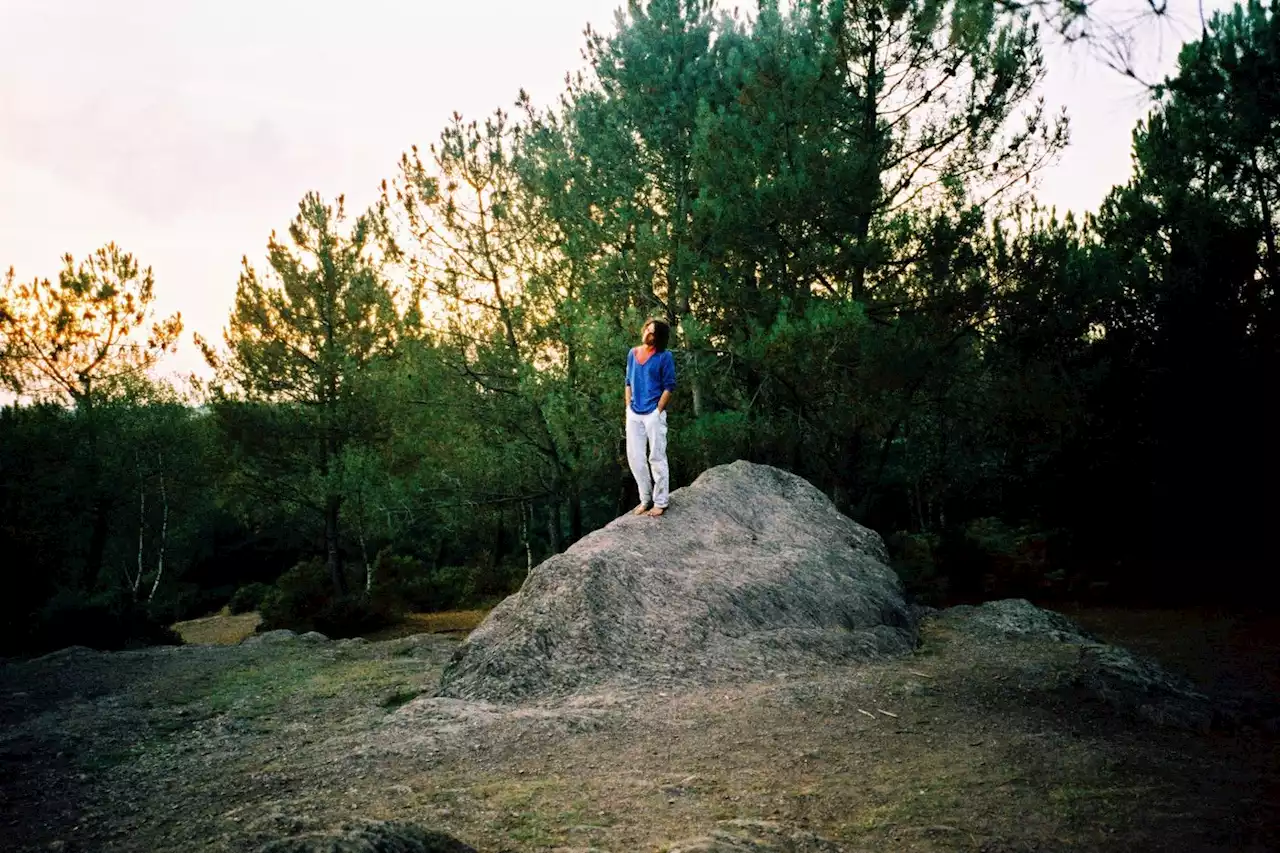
(553, 524)
(499, 536)
(575, 515)
(97, 542)
(868, 496)
(871, 144)
(624, 481)
(334, 559)
(101, 510)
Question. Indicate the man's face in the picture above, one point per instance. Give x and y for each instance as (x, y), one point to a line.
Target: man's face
(646, 334)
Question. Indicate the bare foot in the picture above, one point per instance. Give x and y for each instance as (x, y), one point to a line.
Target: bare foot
(640, 510)
(657, 511)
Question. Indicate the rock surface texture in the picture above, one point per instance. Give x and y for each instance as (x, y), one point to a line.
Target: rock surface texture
(752, 571)
(1130, 683)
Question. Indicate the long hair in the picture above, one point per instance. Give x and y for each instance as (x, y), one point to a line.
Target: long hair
(661, 334)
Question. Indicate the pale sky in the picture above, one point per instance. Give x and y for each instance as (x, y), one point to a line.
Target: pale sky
(186, 131)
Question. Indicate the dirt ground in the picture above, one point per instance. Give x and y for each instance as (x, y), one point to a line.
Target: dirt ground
(969, 745)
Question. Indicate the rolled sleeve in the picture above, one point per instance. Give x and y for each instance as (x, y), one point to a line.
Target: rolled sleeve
(669, 373)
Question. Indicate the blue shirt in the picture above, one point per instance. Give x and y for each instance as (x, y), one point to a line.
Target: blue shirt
(647, 381)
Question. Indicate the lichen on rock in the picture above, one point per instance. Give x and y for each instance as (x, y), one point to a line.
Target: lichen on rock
(1017, 617)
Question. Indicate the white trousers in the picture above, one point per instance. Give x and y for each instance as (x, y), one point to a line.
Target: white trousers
(649, 464)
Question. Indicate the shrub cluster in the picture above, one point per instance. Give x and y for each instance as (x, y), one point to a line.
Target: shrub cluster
(107, 622)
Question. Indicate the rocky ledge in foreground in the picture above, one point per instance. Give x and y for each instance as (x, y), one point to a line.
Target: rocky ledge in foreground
(751, 571)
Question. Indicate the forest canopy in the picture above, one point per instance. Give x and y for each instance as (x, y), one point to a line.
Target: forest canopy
(832, 205)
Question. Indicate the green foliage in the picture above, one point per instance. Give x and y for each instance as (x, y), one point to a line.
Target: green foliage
(306, 351)
(298, 595)
(353, 616)
(303, 600)
(409, 585)
(122, 502)
(914, 556)
(449, 588)
(1193, 336)
(829, 201)
(78, 339)
(1017, 557)
(249, 598)
(404, 581)
(107, 621)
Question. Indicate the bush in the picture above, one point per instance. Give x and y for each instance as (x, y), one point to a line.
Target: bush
(183, 601)
(493, 579)
(248, 598)
(988, 558)
(108, 622)
(403, 583)
(353, 616)
(450, 588)
(400, 581)
(914, 557)
(298, 595)
(303, 600)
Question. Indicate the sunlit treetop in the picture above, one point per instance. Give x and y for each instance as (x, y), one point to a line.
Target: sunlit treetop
(85, 334)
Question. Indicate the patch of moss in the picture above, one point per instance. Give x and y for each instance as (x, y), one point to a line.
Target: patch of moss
(260, 689)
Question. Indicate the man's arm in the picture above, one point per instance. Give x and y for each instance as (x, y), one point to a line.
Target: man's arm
(662, 401)
(668, 377)
(631, 354)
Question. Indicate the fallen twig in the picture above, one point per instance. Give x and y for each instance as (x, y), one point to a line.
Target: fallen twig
(921, 674)
(887, 713)
(868, 713)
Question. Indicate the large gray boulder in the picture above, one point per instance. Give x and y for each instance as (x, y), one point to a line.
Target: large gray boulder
(752, 571)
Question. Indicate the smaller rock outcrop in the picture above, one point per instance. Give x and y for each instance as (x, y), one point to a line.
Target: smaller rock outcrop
(1134, 685)
(1017, 617)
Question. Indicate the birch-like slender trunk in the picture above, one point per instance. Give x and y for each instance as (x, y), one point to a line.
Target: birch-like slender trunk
(364, 555)
(526, 513)
(142, 527)
(164, 533)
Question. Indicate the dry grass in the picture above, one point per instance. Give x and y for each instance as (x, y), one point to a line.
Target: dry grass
(224, 629)
(220, 630)
(448, 622)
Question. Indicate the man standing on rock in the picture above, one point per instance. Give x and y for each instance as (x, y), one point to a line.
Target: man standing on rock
(651, 377)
